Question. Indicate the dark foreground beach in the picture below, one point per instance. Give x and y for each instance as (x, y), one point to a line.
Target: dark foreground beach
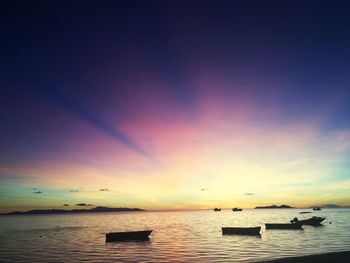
(329, 257)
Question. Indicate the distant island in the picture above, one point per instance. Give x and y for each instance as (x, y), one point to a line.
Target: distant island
(97, 209)
(331, 206)
(273, 206)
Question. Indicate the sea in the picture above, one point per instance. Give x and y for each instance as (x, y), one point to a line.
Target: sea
(178, 236)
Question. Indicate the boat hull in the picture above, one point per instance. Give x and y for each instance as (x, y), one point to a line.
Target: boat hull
(283, 226)
(313, 221)
(241, 230)
(128, 236)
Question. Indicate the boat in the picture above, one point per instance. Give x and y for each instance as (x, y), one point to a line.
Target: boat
(236, 209)
(217, 209)
(253, 231)
(284, 226)
(304, 212)
(313, 221)
(128, 236)
(316, 208)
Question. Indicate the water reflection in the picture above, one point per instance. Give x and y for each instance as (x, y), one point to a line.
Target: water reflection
(177, 237)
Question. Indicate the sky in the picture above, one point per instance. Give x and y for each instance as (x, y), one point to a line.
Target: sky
(174, 104)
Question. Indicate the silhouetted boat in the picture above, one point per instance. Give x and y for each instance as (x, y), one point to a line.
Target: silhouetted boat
(128, 236)
(241, 230)
(217, 209)
(313, 221)
(236, 209)
(316, 208)
(304, 212)
(284, 226)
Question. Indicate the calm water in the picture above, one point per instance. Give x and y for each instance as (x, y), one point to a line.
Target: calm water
(191, 236)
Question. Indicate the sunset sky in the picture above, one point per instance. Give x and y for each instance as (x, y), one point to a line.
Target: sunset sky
(174, 104)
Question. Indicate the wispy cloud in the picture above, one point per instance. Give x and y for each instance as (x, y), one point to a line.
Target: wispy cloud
(73, 107)
(204, 189)
(104, 190)
(249, 194)
(83, 204)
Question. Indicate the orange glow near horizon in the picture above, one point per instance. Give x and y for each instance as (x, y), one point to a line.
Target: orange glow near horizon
(277, 164)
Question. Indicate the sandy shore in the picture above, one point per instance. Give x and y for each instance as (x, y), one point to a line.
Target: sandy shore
(329, 257)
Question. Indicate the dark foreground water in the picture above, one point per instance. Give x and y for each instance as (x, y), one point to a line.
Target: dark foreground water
(190, 236)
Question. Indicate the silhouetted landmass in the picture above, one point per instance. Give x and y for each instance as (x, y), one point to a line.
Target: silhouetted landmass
(329, 257)
(97, 209)
(331, 206)
(273, 206)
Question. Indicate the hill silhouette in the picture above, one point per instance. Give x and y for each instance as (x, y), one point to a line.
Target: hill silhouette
(273, 206)
(97, 209)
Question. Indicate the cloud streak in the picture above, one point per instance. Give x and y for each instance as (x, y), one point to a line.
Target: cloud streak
(83, 204)
(75, 108)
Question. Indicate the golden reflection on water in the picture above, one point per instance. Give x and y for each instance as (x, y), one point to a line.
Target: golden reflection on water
(188, 236)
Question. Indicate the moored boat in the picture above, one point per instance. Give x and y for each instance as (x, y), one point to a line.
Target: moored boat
(316, 208)
(217, 209)
(283, 226)
(236, 209)
(241, 230)
(128, 236)
(313, 221)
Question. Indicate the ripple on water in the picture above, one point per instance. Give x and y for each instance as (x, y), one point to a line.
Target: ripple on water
(177, 237)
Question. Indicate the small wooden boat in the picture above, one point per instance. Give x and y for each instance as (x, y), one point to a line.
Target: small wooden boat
(236, 209)
(284, 226)
(128, 236)
(217, 209)
(241, 230)
(313, 221)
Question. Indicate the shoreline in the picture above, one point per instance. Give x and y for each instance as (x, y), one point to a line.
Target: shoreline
(342, 256)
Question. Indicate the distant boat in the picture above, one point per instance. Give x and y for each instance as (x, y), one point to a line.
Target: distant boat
(304, 212)
(217, 209)
(316, 208)
(236, 209)
(253, 231)
(313, 221)
(128, 236)
(284, 226)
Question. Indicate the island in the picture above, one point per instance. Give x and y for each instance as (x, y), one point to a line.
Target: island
(273, 206)
(97, 209)
(331, 206)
